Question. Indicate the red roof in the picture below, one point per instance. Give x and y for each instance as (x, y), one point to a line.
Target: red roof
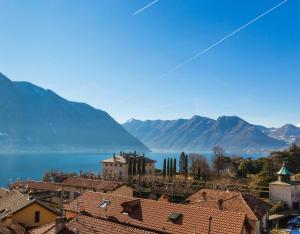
(155, 215)
(85, 225)
(38, 185)
(92, 184)
(253, 207)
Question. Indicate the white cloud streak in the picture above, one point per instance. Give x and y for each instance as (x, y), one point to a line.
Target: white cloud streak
(145, 7)
(221, 40)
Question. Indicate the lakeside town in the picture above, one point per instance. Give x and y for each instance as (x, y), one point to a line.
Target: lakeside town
(149, 117)
(228, 195)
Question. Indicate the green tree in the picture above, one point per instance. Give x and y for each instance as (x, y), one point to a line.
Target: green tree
(171, 167)
(168, 167)
(134, 166)
(165, 168)
(182, 164)
(130, 166)
(199, 173)
(143, 165)
(139, 166)
(186, 167)
(174, 167)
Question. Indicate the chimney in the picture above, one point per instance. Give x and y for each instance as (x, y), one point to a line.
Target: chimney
(60, 224)
(164, 198)
(220, 202)
(203, 196)
(209, 224)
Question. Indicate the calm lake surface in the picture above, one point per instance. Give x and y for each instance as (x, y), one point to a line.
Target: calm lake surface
(33, 166)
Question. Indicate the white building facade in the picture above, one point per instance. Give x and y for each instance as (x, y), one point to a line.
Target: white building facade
(122, 166)
(285, 189)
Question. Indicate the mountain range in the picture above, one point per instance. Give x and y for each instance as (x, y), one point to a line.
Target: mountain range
(33, 119)
(202, 134)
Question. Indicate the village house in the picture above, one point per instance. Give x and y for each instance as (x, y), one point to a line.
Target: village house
(11, 228)
(44, 191)
(119, 166)
(285, 189)
(155, 216)
(255, 209)
(75, 186)
(16, 208)
(86, 224)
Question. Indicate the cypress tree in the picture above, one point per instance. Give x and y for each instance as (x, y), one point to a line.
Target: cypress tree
(168, 167)
(199, 173)
(130, 166)
(165, 168)
(186, 165)
(171, 167)
(134, 166)
(139, 166)
(174, 167)
(143, 165)
(182, 164)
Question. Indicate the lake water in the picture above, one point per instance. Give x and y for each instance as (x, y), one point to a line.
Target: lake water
(33, 166)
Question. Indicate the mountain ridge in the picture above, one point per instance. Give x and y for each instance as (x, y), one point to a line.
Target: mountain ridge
(202, 133)
(34, 119)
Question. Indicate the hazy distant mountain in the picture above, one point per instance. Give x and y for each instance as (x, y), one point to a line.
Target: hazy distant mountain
(288, 133)
(297, 142)
(200, 133)
(33, 119)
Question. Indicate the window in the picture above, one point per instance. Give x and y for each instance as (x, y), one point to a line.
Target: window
(76, 194)
(67, 194)
(111, 165)
(120, 165)
(175, 217)
(37, 216)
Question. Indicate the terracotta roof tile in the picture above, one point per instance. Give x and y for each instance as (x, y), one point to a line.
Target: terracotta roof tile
(85, 225)
(48, 228)
(38, 185)
(154, 215)
(253, 207)
(11, 229)
(12, 201)
(92, 184)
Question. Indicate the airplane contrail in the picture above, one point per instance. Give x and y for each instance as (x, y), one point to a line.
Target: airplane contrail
(221, 40)
(145, 7)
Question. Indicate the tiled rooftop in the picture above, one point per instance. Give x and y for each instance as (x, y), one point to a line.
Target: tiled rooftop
(85, 225)
(11, 229)
(253, 207)
(38, 185)
(155, 215)
(12, 201)
(124, 157)
(92, 184)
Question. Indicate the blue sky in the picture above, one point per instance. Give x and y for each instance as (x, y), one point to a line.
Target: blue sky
(99, 52)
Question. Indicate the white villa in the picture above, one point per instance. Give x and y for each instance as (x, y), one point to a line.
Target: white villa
(122, 166)
(285, 189)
